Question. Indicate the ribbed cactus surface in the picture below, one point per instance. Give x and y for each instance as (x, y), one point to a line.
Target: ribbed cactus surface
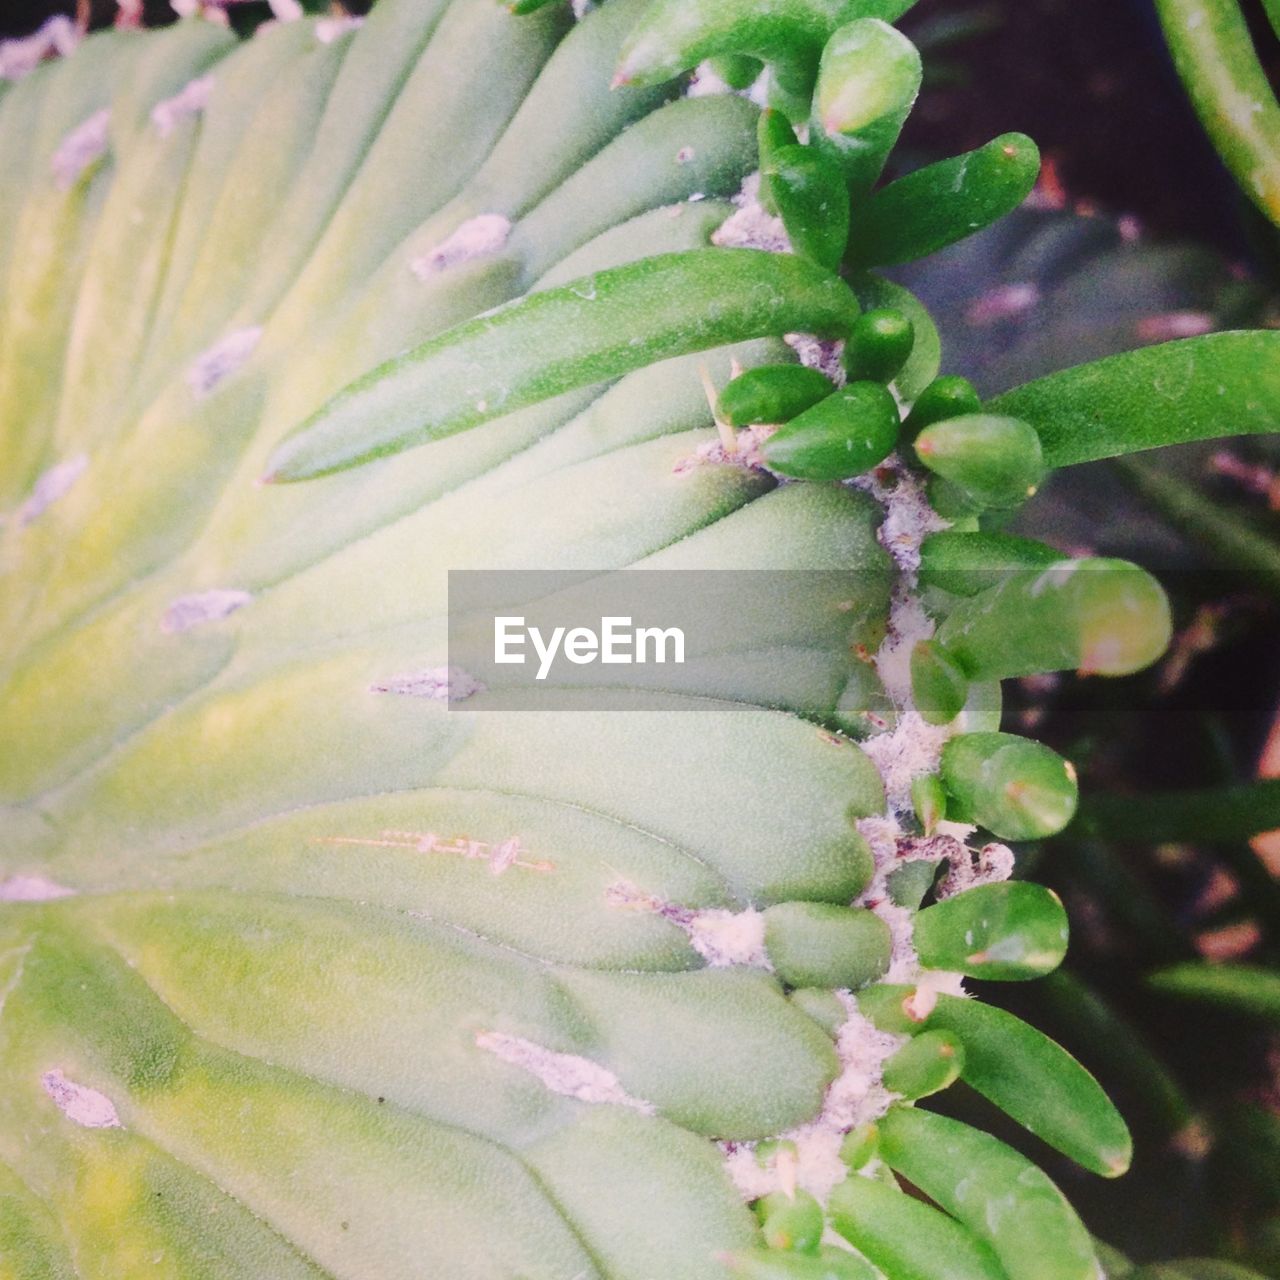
(309, 965)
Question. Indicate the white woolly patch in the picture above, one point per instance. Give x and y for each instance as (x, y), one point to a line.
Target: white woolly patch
(724, 938)
(58, 36)
(329, 29)
(478, 237)
(285, 10)
(581, 8)
(855, 1097)
(190, 101)
(990, 864)
(746, 453)
(442, 684)
(822, 354)
(84, 145)
(720, 937)
(563, 1073)
(53, 484)
(32, 889)
(912, 747)
(751, 225)
(80, 1104)
(195, 610)
(222, 359)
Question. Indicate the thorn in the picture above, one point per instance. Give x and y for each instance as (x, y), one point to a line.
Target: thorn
(728, 438)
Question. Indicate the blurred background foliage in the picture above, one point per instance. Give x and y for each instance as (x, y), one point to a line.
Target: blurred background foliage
(1136, 234)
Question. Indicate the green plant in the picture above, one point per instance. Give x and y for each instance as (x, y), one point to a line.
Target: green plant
(306, 971)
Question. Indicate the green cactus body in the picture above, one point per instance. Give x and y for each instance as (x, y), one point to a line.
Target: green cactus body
(309, 966)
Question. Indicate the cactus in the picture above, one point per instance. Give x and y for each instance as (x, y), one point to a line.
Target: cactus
(309, 964)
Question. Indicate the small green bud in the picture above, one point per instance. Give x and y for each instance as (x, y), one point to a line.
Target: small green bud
(927, 1064)
(793, 1223)
(860, 1146)
(842, 436)
(867, 82)
(951, 502)
(949, 396)
(771, 393)
(929, 800)
(817, 944)
(878, 346)
(812, 201)
(1016, 788)
(1011, 931)
(823, 1006)
(994, 461)
(939, 686)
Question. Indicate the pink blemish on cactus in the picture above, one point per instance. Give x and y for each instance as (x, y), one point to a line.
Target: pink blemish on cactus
(201, 607)
(500, 856)
(721, 937)
(441, 684)
(85, 144)
(563, 1073)
(53, 484)
(190, 101)
(478, 237)
(56, 37)
(32, 889)
(221, 360)
(80, 1104)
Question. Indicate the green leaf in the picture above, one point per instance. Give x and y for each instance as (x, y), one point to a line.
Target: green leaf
(906, 1239)
(1038, 1083)
(1228, 86)
(999, 1195)
(1245, 988)
(1010, 931)
(1016, 788)
(1224, 384)
(944, 202)
(1205, 815)
(548, 343)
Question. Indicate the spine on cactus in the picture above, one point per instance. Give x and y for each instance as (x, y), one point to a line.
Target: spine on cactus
(309, 964)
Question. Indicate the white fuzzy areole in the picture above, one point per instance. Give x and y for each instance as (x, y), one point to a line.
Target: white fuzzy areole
(53, 484)
(32, 889)
(751, 225)
(56, 36)
(80, 1104)
(189, 101)
(221, 360)
(478, 237)
(200, 607)
(84, 145)
(563, 1073)
(440, 684)
(285, 10)
(724, 938)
